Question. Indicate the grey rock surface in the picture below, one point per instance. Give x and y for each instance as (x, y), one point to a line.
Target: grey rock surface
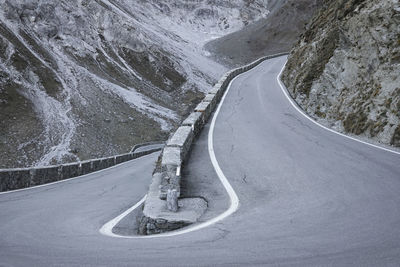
(205, 108)
(182, 138)
(345, 69)
(171, 156)
(195, 121)
(172, 200)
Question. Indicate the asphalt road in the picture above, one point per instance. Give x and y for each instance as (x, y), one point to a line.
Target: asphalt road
(308, 197)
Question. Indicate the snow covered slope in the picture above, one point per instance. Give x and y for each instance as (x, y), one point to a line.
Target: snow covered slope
(82, 79)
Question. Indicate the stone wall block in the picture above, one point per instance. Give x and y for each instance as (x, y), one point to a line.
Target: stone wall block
(182, 138)
(170, 180)
(69, 170)
(171, 156)
(43, 175)
(212, 99)
(86, 167)
(195, 121)
(96, 165)
(205, 108)
(172, 200)
(16, 179)
(108, 162)
(217, 90)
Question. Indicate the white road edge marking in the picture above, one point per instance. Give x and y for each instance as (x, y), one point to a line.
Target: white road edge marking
(294, 104)
(234, 200)
(73, 178)
(234, 205)
(107, 228)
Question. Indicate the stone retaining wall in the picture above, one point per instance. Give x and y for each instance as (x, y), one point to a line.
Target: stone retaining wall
(157, 215)
(137, 146)
(12, 179)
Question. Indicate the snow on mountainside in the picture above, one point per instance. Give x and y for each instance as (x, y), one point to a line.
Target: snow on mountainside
(82, 79)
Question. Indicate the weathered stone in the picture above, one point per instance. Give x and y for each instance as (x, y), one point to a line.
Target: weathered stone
(172, 200)
(190, 210)
(142, 229)
(150, 226)
(195, 121)
(4, 180)
(96, 165)
(171, 156)
(162, 227)
(44, 175)
(183, 138)
(171, 179)
(122, 158)
(161, 221)
(69, 171)
(345, 70)
(138, 154)
(227, 79)
(132, 156)
(11, 179)
(209, 97)
(218, 90)
(86, 167)
(212, 99)
(14, 179)
(107, 162)
(205, 108)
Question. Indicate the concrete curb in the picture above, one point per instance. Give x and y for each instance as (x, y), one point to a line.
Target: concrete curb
(13, 179)
(167, 177)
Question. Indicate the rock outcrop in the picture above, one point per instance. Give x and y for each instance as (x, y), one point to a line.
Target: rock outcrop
(345, 69)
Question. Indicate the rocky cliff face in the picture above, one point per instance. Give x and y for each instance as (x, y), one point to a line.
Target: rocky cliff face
(345, 69)
(82, 79)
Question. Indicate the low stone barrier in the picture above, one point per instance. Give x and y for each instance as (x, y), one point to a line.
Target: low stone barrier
(12, 179)
(137, 146)
(159, 211)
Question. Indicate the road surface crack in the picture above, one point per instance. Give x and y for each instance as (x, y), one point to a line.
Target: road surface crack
(244, 178)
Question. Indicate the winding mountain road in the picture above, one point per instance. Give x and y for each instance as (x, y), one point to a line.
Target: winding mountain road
(308, 197)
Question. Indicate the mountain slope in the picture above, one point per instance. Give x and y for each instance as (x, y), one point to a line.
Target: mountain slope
(345, 69)
(273, 34)
(82, 79)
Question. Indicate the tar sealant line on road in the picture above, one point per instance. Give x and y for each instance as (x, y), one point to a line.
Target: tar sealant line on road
(302, 112)
(106, 229)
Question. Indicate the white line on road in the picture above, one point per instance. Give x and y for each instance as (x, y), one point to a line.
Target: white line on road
(234, 205)
(107, 228)
(234, 200)
(294, 104)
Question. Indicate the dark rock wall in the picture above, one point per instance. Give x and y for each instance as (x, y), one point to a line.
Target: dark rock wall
(344, 71)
